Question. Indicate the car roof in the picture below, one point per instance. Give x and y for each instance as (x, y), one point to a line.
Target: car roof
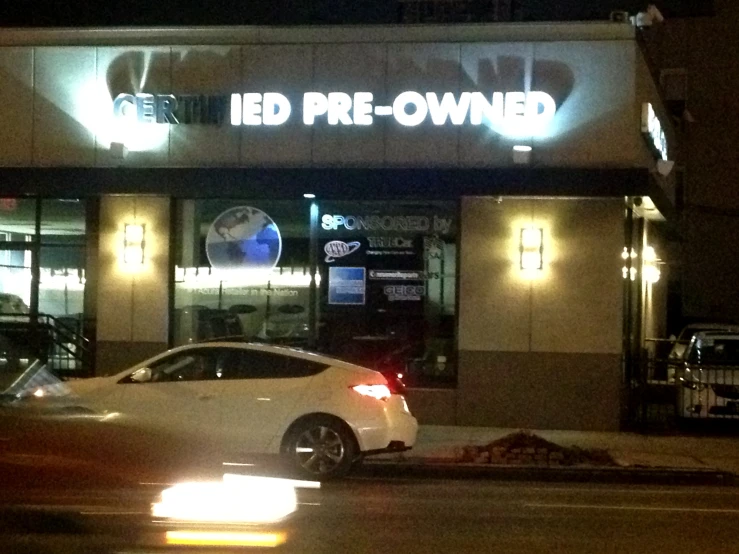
(261, 347)
(716, 334)
(693, 328)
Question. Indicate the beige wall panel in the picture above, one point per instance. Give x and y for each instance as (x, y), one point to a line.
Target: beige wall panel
(598, 119)
(596, 122)
(205, 70)
(287, 69)
(151, 286)
(16, 99)
(576, 302)
(135, 298)
(64, 115)
(350, 68)
(489, 68)
(494, 301)
(422, 68)
(131, 70)
(539, 390)
(115, 287)
(433, 406)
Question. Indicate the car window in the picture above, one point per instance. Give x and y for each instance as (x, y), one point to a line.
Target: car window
(716, 351)
(253, 364)
(192, 365)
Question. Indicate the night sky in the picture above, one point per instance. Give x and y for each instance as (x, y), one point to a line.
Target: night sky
(86, 13)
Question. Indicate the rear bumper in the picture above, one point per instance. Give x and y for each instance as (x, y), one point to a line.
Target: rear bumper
(395, 431)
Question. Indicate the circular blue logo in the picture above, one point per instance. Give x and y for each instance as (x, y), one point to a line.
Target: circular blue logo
(243, 238)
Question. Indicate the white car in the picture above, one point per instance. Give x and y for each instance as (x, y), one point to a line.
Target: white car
(322, 414)
(681, 343)
(708, 379)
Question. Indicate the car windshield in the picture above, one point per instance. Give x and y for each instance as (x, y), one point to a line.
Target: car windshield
(18, 383)
(723, 351)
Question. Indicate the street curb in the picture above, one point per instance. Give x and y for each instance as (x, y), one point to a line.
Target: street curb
(574, 474)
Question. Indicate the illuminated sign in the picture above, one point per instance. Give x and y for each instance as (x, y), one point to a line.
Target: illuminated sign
(653, 132)
(397, 275)
(386, 223)
(175, 110)
(338, 249)
(346, 285)
(404, 293)
(243, 237)
(390, 242)
(530, 111)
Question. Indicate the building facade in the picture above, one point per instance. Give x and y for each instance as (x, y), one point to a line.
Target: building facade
(479, 207)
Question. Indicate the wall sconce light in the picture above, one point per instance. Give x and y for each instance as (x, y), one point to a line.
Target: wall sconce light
(650, 269)
(521, 154)
(625, 270)
(133, 244)
(532, 248)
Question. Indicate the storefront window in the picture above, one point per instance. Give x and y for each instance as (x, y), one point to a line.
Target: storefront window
(17, 219)
(59, 238)
(17, 236)
(62, 260)
(388, 287)
(42, 272)
(242, 269)
(385, 292)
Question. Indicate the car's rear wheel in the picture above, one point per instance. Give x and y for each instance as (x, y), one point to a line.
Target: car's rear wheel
(320, 448)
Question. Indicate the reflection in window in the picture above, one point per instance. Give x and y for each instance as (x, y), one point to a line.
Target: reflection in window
(61, 243)
(190, 366)
(242, 271)
(62, 260)
(388, 289)
(385, 282)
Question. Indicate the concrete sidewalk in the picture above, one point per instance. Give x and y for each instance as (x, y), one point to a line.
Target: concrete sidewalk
(444, 444)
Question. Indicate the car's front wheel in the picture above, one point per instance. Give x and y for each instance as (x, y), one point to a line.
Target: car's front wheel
(320, 448)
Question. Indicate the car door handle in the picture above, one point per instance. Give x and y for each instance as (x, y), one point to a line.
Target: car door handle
(206, 397)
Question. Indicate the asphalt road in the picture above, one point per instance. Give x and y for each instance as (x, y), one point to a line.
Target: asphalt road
(370, 515)
(482, 516)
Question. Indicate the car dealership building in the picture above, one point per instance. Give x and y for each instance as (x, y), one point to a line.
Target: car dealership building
(479, 207)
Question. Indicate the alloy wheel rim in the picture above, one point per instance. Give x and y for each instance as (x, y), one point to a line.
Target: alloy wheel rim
(319, 450)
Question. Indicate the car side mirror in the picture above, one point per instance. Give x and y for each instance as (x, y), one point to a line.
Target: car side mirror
(142, 375)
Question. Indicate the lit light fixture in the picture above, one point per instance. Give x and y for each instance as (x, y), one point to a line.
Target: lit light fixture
(626, 254)
(309, 195)
(532, 248)
(625, 270)
(521, 154)
(650, 269)
(133, 244)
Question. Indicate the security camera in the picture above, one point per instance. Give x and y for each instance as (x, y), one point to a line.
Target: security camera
(664, 167)
(118, 150)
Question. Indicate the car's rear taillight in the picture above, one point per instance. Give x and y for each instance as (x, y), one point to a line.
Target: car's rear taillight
(381, 392)
(394, 382)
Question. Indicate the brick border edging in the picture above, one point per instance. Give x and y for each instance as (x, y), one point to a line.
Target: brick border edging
(581, 474)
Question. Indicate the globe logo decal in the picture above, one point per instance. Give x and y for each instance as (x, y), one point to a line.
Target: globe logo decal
(243, 238)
